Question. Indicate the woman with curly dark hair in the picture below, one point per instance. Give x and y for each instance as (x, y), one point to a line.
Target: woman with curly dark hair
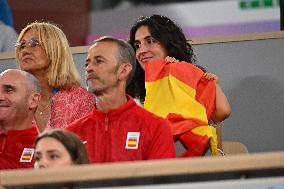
(157, 38)
(171, 38)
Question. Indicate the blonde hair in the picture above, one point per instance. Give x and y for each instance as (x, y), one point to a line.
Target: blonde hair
(62, 72)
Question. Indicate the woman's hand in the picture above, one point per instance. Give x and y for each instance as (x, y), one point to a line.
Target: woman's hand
(169, 59)
(210, 76)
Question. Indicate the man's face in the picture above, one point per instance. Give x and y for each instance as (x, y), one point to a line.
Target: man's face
(102, 67)
(13, 96)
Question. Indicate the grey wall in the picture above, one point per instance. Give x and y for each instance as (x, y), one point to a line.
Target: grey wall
(197, 18)
(251, 74)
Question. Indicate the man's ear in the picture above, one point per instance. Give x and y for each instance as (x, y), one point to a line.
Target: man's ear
(124, 71)
(34, 100)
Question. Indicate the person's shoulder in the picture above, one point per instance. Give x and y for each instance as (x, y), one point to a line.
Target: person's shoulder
(79, 123)
(8, 38)
(7, 30)
(152, 123)
(77, 92)
(136, 112)
(149, 116)
(73, 90)
(27, 135)
(5, 27)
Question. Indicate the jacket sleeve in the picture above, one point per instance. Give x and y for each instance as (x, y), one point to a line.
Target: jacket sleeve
(162, 143)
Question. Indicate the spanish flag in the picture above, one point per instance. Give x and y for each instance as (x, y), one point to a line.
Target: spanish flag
(179, 93)
(132, 142)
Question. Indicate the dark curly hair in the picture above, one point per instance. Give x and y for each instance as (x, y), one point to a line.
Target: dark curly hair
(171, 36)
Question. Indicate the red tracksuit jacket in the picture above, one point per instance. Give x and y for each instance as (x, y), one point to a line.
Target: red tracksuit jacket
(124, 134)
(17, 148)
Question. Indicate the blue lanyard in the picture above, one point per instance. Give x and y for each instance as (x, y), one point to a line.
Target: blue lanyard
(54, 91)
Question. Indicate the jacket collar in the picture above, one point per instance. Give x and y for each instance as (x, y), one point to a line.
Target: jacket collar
(114, 113)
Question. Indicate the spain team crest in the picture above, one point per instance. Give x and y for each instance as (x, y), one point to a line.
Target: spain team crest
(27, 155)
(132, 140)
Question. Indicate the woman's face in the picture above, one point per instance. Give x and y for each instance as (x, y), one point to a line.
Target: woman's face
(50, 152)
(147, 48)
(32, 56)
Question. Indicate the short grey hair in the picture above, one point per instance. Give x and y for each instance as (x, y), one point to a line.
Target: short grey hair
(32, 83)
(125, 50)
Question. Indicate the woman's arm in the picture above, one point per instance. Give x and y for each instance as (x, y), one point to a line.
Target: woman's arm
(222, 105)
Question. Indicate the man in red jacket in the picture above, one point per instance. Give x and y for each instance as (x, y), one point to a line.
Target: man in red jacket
(19, 98)
(118, 129)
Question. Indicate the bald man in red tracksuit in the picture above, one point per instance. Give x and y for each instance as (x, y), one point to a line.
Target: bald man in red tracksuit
(19, 98)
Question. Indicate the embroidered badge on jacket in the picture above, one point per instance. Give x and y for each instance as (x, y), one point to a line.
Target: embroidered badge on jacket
(27, 155)
(132, 140)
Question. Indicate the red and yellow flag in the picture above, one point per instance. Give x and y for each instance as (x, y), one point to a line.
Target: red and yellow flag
(179, 93)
